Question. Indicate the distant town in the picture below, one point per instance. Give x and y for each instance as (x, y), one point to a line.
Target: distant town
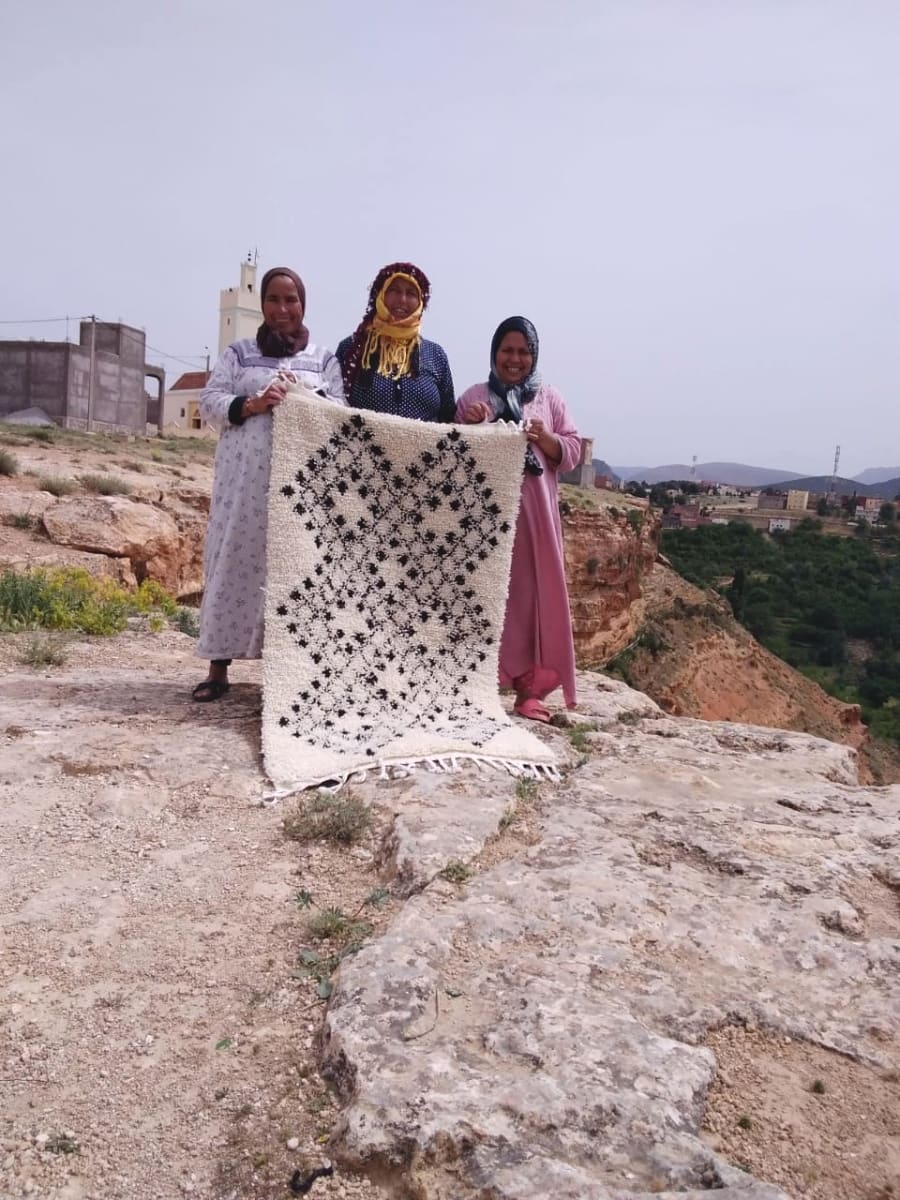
(688, 504)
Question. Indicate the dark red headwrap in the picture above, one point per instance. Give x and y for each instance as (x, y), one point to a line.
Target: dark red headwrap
(358, 341)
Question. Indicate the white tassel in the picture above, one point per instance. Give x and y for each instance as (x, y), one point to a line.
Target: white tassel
(450, 764)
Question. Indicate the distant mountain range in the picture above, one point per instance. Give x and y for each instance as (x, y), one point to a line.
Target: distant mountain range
(887, 489)
(877, 474)
(874, 481)
(603, 468)
(713, 472)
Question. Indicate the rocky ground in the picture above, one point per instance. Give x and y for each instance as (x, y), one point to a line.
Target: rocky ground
(129, 508)
(676, 972)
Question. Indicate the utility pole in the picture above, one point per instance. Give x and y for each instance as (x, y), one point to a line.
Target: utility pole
(93, 363)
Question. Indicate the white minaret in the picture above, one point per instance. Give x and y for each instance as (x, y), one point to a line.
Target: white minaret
(239, 308)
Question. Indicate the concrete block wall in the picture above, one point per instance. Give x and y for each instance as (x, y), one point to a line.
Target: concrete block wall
(128, 343)
(34, 373)
(120, 402)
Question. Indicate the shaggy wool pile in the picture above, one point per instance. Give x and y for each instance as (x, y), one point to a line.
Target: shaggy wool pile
(388, 556)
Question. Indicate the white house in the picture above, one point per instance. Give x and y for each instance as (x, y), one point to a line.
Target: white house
(779, 524)
(181, 407)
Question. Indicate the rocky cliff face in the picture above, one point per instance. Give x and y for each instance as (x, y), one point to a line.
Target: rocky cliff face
(695, 660)
(609, 551)
(681, 645)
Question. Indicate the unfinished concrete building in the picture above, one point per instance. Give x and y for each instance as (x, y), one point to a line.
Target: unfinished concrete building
(97, 384)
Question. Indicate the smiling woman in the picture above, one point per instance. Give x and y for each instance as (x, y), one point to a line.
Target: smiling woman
(536, 651)
(249, 380)
(387, 365)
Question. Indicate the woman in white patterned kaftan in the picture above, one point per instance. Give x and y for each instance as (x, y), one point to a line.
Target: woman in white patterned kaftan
(248, 381)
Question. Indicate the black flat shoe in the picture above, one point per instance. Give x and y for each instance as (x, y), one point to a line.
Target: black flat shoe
(210, 689)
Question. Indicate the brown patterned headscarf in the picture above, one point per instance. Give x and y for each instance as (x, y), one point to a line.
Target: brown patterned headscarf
(282, 345)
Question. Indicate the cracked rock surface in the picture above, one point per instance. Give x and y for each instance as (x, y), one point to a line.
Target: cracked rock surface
(538, 1029)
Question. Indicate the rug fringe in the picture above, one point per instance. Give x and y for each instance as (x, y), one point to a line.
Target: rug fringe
(399, 768)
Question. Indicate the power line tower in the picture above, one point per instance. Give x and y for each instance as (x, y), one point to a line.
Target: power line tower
(832, 490)
(694, 469)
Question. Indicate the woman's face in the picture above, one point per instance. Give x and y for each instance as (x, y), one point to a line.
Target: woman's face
(513, 361)
(402, 299)
(282, 307)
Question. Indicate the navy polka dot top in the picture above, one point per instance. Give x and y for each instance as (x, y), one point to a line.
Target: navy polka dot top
(427, 397)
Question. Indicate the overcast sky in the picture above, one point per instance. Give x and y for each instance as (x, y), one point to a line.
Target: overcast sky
(696, 201)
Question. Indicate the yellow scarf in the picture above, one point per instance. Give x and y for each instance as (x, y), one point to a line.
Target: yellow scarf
(389, 343)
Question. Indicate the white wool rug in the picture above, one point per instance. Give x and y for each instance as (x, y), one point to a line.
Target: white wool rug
(389, 547)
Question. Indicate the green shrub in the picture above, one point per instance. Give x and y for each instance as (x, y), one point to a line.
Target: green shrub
(105, 485)
(579, 736)
(620, 664)
(44, 433)
(526, 789)
(9, 464)
(343, 818)
(652, 640)
(56, 485)
(456, 871)
(187, 621)
(332, 924)
(21, 521)
(151, 596)
(44, 650)
(70, 598)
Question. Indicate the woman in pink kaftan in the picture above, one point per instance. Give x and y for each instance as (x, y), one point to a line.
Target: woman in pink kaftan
(536, 651)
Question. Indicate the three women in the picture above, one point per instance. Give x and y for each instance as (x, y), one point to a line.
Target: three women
(385, 366)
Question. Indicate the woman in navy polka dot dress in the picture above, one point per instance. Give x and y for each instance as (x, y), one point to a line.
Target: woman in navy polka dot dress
(387, 366)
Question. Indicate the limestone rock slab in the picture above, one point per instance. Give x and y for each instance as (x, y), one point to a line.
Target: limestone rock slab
(21, 501)
(539, 1030)
(109, 525)
(148, 537)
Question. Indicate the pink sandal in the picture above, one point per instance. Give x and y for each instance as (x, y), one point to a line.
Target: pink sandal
(532, 708)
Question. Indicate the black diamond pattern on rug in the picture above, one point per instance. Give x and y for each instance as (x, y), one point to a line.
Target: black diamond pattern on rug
(388, 615)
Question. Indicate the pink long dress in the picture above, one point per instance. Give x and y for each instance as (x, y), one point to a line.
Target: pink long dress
(537, 653)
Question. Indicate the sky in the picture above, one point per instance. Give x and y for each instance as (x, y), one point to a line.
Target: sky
(696, 201)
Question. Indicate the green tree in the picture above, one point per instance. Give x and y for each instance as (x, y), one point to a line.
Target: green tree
(803, 595)
(737, 591)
